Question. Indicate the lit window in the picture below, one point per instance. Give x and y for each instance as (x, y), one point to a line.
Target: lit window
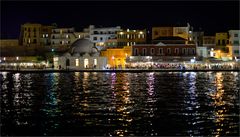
(43, 36)
(77, 62)
(127, 36)
(67, 36)
(79, 36)
(46, 35)
(95, 62)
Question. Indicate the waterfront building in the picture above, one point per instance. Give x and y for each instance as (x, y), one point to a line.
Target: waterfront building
(117, 56)
(131, 37)
(161, 32)
(221, 39)
(100, 35)
(180, 31)
(82, 55)
(34, 34)
(63, 36)
(234, 44)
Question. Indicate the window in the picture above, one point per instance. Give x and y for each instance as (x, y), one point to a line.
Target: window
(46, 35)
(95, 32)
(43, 36)
(218, 42)
(53, 37)
(34, 29)
(101, 38)
(53, 43)
(223, 42)
(77, 62)
(235, 42)
(176, 50)
(235, 35)
(144, 51)
(94, 38)
(236, 51)
(155, 33)
(160, 51)
(136, 52)
(193, 51)
(34, 41)
(86, 63)
(184, 51)
(168, 50)
(152, 51)
(67, 36)
(95, 62)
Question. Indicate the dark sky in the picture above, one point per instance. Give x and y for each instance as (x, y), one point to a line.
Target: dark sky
(213, 16)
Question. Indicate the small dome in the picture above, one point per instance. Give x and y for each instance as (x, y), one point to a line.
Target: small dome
(67, 54)
(82, 46)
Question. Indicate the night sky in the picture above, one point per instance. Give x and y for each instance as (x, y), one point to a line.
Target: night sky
(214, 16)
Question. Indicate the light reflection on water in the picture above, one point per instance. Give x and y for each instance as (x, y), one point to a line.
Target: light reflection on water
(120, 104)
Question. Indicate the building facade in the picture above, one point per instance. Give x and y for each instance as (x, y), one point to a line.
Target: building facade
(82, 55)
(183, 32)
(100, 35)
(63, 36)
(34, 34)
(117, 56)
(234, 44)
(161, 32)
(131, 37)
(198, 37)
(162, 49)
(221, 39)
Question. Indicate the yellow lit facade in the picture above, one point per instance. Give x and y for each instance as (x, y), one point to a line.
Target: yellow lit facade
(33, 34)
(161, 32)
(221, 39)
(117, 56)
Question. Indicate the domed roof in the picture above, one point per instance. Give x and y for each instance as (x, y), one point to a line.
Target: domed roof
(67, 54)
(82, 46)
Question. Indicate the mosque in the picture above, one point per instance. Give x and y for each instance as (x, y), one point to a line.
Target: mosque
(83, 54)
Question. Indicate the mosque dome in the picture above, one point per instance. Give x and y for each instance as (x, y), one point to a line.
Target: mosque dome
(83, 46)
(67, 54)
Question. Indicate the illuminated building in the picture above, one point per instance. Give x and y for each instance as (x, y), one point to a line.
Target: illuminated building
(234, 44)
(183, 32)
(82, 55)
(33, 34)
(161, 32)
(62, 36)
(162, 49)
(131, 37)
(102, 34)
(221, 39)
(117, 56)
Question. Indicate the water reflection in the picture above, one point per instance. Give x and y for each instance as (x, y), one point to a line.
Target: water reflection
(122, 95)
(120, 104)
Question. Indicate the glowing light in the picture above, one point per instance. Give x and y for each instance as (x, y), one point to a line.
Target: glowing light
(140, 32)
(17, 58)
(4, 58)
